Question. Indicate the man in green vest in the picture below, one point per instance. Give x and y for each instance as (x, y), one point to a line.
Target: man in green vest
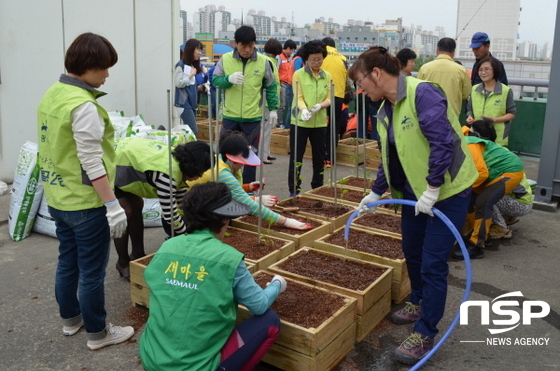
(76, 158)
(243, 74)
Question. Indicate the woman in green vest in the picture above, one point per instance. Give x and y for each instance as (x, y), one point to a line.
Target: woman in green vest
(143, 172)
(196, 282)
(312, 91)
(425, 158)
(492, 100)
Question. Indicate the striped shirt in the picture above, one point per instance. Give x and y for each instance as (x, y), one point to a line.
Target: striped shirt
(164, 186)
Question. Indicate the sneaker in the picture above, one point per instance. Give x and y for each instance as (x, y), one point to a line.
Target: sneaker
(414, 348)
(408, 314)
(475, 252)
(496, 232)
(328, 164)
(115, 335)
(72, 330)
(511, 220)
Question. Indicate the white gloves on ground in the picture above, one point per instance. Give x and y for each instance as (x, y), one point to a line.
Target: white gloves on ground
(267, 200)
(273, 118)
(315, 108)
(116, 218)
(236, 78)
(305, 114)
(427, 201)
(281, 281)
(295, 224)
(371, 197)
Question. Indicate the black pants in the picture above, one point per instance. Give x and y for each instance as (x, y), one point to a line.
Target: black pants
(317, 138)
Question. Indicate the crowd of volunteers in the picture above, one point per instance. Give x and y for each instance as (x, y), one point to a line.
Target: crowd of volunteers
(95, 185)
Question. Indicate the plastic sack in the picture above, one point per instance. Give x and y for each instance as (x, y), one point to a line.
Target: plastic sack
(44, 222)
(179, 134)
(151, 212)
(128, 126)
(26, 194)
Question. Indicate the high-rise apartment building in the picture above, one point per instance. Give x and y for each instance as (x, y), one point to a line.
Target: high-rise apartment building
(261, 23)
(185, 26)
(498, 18)
(211, 19)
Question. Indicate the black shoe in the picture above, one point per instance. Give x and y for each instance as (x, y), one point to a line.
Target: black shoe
(488, 243)
(271, 158)
(475, 252)
(268, 162)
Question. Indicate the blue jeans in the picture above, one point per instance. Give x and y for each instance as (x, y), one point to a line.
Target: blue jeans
(427, 243)
(83, 255)
(189, 118)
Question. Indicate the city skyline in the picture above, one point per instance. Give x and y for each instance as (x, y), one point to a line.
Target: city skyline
(429, 16)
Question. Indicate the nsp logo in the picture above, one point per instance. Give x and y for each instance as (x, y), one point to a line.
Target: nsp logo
(498, 305)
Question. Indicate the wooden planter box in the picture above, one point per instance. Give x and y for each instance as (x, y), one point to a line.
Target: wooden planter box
(139, 291)
(312, 349)
(350, 154)
(400, 287)
(269, 259)
(303, 238)
(343, 192)
(373, 303)
(334, 222)
(380, 211)
(280, 141)
(204, 132)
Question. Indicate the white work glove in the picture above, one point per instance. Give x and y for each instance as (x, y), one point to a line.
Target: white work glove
(315, 108)
(116, 218)
(273, 118)
(281, 281)
(427, 201)
(255, 186)
(305, 114)
(267, 200)
(236, 78)
(295, 224)
(371, 197)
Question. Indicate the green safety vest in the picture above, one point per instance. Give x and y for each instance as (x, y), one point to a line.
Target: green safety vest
(314, 91)
(274, 63)
(523, 192)
(192, 307)
(493, 105)
(135, 156)
(66, 184)
(413, 148)
(499, 160)
(243, 101)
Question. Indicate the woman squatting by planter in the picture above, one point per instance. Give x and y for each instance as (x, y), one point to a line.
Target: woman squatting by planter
(143, 172)
(235, 152)
(195, 276)
(424, 158)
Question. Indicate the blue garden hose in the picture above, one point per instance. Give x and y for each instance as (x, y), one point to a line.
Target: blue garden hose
(468, 268)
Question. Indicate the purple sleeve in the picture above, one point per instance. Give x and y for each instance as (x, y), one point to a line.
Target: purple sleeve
(380, 185)
(431, 108)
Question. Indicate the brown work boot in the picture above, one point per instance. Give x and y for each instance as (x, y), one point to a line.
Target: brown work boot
(415, 347)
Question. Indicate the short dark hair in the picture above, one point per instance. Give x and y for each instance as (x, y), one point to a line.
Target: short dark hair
(404, 55)
(195, 206)
(313, 47)
(290, 44)
(273, 46)
(188, 54)
(245, 35)
(496, 67)
(193, 158)
(447, 45)
(484, 129)
(89, 51)
(329, 41)
(233, 143)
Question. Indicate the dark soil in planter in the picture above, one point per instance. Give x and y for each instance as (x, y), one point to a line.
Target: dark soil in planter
(317, 207)
(248, 243)
(385, 246)
(342, 194)
(380, 221)
(337, 271)
(356, 182)
(303, 305)
(280, 228)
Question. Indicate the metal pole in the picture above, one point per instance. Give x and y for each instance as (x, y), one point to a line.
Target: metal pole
(294, 154)
(171, 190)
(261, 170)
(332, 144)
(219, 102)
(364, 131)
(213, 161)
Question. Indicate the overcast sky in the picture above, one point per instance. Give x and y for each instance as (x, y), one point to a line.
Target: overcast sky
(537, 17)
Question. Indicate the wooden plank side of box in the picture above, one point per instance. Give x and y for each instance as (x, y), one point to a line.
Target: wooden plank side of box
(289, 359)
(369, 320)
(341, 190)
(139, 291)
(366, 298)
(400, 273)
(303, 239)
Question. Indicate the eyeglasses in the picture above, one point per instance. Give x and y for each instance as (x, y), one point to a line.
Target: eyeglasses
(486, 69)
(361, 79)
(315, 60)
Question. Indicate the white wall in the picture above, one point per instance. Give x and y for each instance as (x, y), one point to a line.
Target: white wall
(34, 36)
